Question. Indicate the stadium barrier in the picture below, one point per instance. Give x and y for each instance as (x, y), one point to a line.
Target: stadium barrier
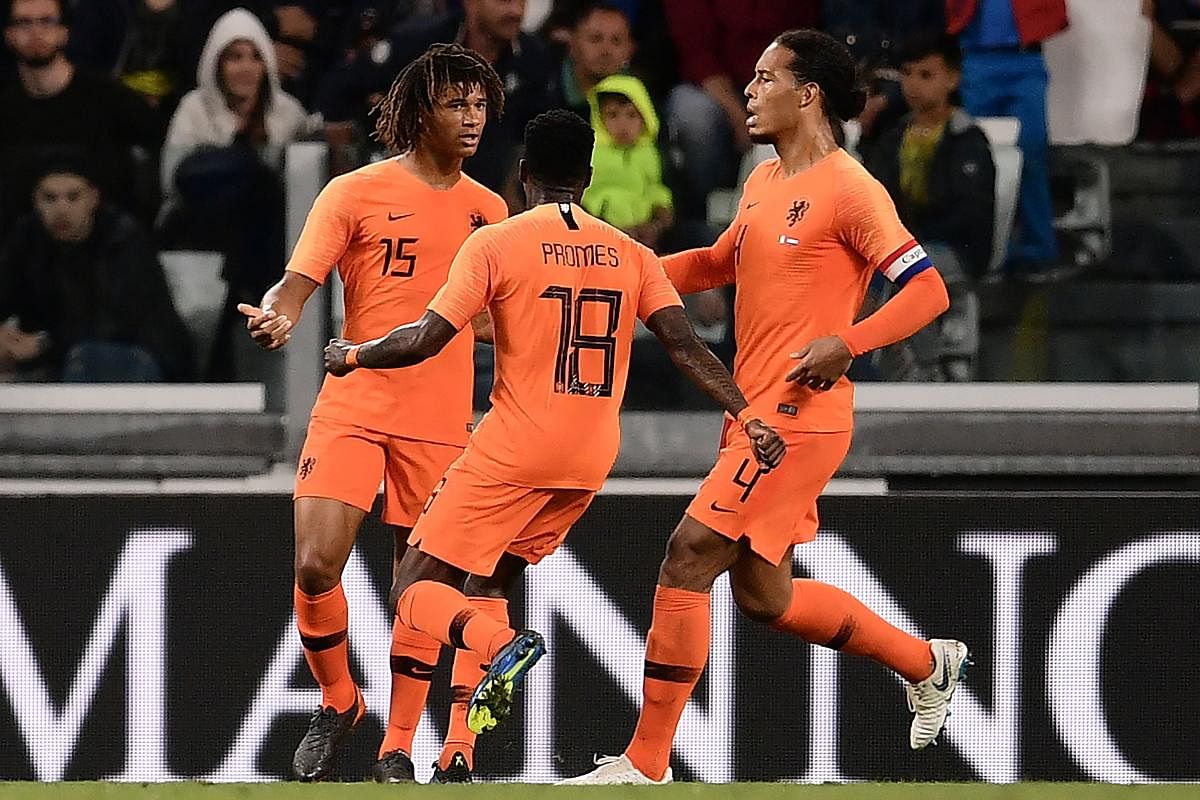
(151, 638)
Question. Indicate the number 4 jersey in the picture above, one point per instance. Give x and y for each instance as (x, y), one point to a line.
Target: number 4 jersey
(392, 238)
(564, 290)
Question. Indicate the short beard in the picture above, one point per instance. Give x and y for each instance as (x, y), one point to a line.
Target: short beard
(762, 138)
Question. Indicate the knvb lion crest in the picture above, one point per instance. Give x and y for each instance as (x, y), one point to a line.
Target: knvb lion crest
(797, 211)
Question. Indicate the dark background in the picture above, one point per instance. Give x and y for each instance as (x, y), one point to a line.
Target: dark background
(229, 600)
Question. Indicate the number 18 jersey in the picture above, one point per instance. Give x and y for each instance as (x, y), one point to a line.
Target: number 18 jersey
(564, 290)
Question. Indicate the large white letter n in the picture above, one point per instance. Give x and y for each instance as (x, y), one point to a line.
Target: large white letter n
(137, 597)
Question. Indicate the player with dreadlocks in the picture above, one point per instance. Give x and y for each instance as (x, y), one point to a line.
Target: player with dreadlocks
(391, 229)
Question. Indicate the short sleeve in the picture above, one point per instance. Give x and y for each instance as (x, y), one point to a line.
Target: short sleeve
(470, 285)
(868, 224)
(327, 233)
(656, 291)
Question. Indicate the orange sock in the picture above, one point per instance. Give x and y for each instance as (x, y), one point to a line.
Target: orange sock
(444, 613)
(676, 651)
(465, 677)
(414, 657)
(322, 620)
(825, 615)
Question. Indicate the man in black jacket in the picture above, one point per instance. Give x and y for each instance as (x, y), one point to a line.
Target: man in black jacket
(82, 295)
(937, 165)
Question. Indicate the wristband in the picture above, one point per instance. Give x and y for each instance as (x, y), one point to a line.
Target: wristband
(352, 356)
(744, 418)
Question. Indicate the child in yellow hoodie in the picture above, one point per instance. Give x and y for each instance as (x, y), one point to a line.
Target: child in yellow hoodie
(627, 189)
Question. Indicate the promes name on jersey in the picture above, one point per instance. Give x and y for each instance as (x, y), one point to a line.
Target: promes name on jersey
(580, 255)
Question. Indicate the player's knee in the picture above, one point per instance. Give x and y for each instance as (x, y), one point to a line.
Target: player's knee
(316, 573)
(688, 563)
(756, 605)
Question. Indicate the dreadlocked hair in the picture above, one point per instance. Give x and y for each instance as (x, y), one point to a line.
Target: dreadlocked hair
(416, 89)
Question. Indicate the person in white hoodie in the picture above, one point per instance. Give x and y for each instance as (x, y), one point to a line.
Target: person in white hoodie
(237, 96)
(221, 165)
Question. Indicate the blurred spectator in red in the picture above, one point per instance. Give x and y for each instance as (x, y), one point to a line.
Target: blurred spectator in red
(491, 28)
(1004, 75)
(223, 156)
(718, 43)
(142, 43)
(53, 103)
(82, 295)
(600, 44)
(1171, 108)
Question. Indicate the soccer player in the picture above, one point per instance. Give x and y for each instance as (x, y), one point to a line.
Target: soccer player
(564, 291)
(392, 229)
(811, 227)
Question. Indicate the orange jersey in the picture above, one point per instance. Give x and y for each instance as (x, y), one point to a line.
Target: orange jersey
(564, 290)
(801, 251)
(392, 238)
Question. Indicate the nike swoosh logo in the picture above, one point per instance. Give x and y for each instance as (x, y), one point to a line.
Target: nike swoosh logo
(945, 683)
(394, 217)
(752, 205)
(720, 510)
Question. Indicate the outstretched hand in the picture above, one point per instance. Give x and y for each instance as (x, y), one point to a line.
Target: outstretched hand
(768, 445)
(269, 330)
(335, 357)
(821, 363)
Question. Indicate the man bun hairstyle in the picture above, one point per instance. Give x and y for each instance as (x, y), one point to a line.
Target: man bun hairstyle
(821, 59)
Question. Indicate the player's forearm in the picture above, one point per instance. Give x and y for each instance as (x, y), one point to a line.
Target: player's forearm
(287, 297)
(704, 369)
(695, 360)
(922, 300)
(694, 270)
(403, 347)
(407, 345)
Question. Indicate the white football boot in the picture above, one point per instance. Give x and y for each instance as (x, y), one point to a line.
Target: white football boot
(929, 700)
(613, 770)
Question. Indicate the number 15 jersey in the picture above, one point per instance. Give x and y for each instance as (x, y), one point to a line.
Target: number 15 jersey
(564, 290)
(392, 237)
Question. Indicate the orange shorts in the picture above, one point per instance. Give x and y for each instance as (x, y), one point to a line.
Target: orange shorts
(471, 520)
(345, 462)
(772, 510)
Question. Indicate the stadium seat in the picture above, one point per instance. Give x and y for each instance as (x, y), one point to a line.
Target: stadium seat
(1097, 73)
(198, 291)
(722, 203)
(1002, 133)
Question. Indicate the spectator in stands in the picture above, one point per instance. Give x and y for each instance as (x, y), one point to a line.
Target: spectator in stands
(1004, 75)
(82, 292)
(223, 157)
(718, 43)
(874, 30)
(1171, 108)
(491, 28)
(937, 166)
(627, 189)
(54, 104)
(600, 44)
(140, 42)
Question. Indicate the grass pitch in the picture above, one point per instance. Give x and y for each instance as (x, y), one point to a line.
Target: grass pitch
(679, 791)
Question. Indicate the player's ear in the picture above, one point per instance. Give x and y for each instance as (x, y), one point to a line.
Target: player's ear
(522, 171)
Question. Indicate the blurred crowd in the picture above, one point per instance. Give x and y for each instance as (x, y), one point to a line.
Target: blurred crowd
(133, 127)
